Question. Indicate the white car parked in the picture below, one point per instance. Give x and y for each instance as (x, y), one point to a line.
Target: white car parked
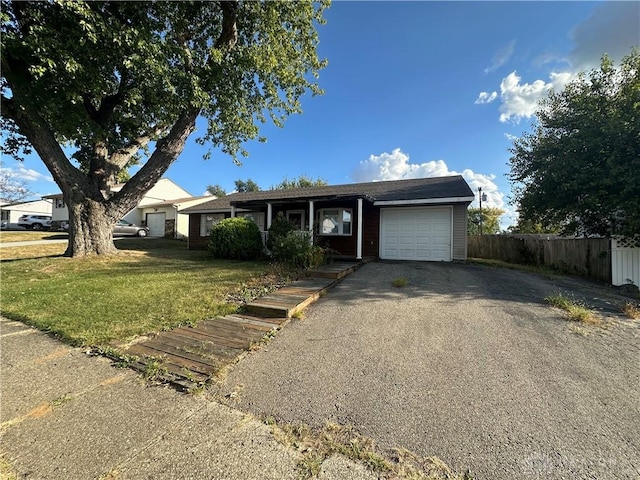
(35, 222)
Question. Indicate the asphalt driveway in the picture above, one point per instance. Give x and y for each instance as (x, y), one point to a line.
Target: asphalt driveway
(466, 363)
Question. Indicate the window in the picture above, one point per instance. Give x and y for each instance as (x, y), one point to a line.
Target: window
(208, 220)
(335, 221)
(59, 203)
(297, 218)
(255, 217)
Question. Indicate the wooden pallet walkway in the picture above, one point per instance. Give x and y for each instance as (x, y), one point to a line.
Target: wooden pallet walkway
(188, 356)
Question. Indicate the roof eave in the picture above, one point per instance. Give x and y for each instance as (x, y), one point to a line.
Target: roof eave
(424, 201)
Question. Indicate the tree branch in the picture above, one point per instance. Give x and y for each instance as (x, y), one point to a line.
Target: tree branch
(122, 156)
(41, 137)
(108, 103)
(167, 151)
(229, 34)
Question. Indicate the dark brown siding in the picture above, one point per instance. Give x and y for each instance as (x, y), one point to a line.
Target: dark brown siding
(195, 241)
(371, 231)
(343, 245)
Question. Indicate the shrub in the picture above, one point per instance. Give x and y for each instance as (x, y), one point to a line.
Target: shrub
(279, 229)
(292, 247)
(236, 238)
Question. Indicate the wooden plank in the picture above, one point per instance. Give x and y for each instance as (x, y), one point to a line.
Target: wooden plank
(210, 346)
(233, 332)
(175, 355)
(279, 298)
(240, 338)
(269, 320)
(251, 321)
(240, 323)
(216, 338)
(197, 348)
(191, 376)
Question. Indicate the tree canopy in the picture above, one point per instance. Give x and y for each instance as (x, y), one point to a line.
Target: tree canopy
(580, 168)
(119, 83)
(490, 218)
(246, 186)
(216, 190)
(301, 182)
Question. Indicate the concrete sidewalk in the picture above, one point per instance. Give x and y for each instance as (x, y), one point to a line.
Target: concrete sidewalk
(65, 414)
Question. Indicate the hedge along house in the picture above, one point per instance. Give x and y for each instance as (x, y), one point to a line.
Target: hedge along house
(417, 219)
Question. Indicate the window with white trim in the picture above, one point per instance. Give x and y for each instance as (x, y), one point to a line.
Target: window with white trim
(335, 221)
(255, 217)
(59, 203)
(207, 221)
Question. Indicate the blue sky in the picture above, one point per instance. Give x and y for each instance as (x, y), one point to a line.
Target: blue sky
(415, 89)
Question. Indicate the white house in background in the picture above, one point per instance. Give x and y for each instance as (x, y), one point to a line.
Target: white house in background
(158, 209)
(11, 212)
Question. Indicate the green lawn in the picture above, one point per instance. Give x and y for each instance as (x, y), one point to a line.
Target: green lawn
(28, 235)
(153, 284)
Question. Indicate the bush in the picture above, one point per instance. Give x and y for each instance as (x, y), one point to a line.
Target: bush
(236, 238)
(279, 229)
(292, 247)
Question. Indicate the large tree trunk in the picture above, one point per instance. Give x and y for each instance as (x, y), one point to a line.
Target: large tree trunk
(90, 229)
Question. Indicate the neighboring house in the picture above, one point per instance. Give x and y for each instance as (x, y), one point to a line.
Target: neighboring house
(417, 219)
(11, 212)
(158, 209)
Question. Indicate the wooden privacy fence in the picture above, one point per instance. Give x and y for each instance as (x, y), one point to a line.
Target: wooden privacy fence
(587, 257)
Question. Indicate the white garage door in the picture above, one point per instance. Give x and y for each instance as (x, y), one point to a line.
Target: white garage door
(155, 222)
(422, 233)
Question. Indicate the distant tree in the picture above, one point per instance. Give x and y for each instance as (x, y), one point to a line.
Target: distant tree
(490, 220)
(528, 225)
(216, 190)
(580, 168)
(12, 190)
(124, 82)
(301, 182)
(247, 186)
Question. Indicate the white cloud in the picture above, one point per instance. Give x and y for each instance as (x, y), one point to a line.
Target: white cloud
(396, 166)
(26, 174)
(501, 57)
(612, 28)
(520, 100)
(486, 97)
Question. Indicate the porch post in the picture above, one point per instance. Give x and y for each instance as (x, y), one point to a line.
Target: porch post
(311, 219)
(359, 246)
(233, 211)
(269, 215)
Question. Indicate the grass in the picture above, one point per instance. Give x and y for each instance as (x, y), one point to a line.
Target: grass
(631, 310)
(573, 310)
(7, 471)
(399, 282)
(317, 445)
(152, 285)
(29, 235)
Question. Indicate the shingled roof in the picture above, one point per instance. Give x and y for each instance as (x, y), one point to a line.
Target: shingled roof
(454, 187)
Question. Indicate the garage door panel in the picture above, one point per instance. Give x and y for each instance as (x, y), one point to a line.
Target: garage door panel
(416, 233)
(156, 224)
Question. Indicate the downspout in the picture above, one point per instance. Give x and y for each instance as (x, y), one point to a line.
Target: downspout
(359, 240)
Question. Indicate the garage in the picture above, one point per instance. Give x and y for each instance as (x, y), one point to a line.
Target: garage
(156, 223)
(418, 233)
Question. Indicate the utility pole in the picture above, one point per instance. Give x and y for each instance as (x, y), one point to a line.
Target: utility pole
(480, 196)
